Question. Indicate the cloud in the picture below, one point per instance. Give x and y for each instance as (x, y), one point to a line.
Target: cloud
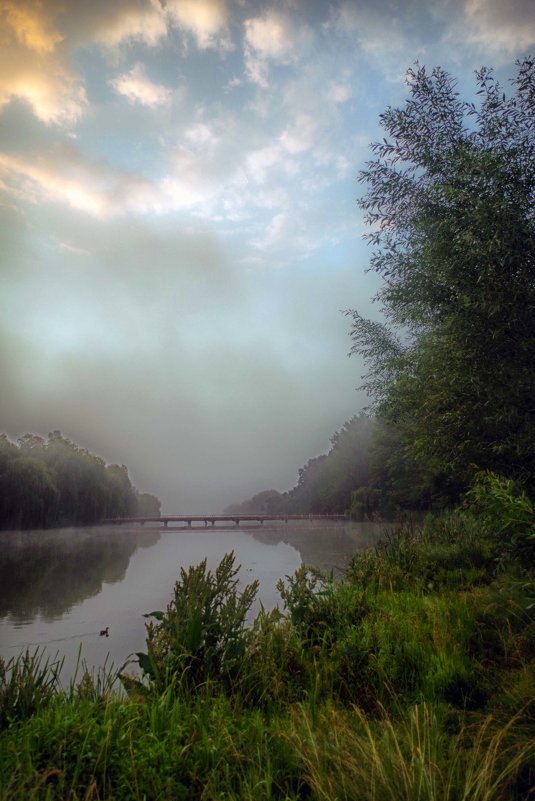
(260, 162)
(201, 136)
(388, 36)
(500, 27)
(205, 20)
(274, 38)
(64, 176)
(281, 230)
(137, 88)
(54, 93)
(115, 23)
(33, 69)
(374, 29)
(299, 136)
(27, 21)
(340, 92)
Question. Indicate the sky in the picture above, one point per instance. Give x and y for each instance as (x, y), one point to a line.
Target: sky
(179, 229)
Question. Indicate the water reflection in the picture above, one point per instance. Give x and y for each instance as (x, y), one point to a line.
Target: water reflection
(59, 589)
(323, 545)
(47, 573)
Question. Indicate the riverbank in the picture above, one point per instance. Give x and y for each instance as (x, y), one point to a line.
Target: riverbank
(412, 678)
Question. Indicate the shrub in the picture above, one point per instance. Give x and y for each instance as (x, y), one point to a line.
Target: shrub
(507, 514)
(202, 636)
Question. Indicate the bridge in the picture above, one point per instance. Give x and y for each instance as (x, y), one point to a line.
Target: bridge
(189, 520)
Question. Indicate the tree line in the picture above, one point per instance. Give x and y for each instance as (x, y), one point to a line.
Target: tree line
(364, 474)
(54, 482)
(450, 203)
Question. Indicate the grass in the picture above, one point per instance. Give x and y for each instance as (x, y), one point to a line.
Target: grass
(413, 679)
(347, 756)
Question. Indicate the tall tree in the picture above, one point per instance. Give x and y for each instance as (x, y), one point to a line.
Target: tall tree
(450, 201)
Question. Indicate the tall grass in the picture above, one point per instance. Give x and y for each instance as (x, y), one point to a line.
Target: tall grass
(27, 683)
(345, 756)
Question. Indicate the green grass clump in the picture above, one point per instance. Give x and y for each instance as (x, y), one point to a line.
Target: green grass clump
(27, 683)
(168, 748)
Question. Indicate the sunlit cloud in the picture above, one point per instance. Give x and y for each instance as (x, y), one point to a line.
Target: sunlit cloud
(130, 21)
(55, 94)
(28, 22)
(137, 88)
(31, 69)
(205, 20)
(65, 177)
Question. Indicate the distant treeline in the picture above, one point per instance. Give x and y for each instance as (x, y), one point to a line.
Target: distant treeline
(53, 482)
(367, 472)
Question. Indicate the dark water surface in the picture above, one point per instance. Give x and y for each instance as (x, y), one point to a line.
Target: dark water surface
(59, 588)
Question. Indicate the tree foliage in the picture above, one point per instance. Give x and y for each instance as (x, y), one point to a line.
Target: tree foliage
(450, 202)
(325, 482)
(54, 482)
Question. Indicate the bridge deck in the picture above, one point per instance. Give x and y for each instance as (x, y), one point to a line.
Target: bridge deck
(213, 519)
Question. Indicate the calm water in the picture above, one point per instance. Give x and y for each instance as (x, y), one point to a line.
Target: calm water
(59, 588)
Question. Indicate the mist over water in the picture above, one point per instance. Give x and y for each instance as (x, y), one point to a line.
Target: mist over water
(60, 588)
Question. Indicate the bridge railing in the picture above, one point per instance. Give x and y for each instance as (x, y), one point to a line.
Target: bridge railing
(223, 518)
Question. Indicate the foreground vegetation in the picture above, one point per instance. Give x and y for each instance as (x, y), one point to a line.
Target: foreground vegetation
(413, 678)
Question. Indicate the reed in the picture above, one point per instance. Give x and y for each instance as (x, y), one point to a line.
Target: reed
(27, 683)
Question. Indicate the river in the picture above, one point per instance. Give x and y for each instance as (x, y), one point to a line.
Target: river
(59, 588)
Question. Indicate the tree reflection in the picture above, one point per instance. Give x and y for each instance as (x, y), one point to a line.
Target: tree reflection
(327, 547)
(47, 573)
